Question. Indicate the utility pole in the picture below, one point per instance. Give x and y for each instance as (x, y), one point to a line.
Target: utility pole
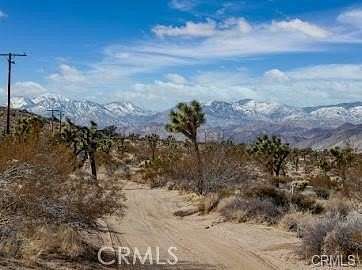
(11, 61)
(51, 123)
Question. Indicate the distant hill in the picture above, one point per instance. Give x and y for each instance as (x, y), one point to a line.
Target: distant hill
(241, 121)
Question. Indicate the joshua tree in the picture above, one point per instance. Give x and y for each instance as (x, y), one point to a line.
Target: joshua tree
(27, 126)
(121, 143)
(295, 158)
(152, 141)
(342, 160)
(272, 152)
(91, 138)
(186, 119)
(86, 140)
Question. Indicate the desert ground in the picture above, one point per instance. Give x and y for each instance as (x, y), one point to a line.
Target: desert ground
(202, 242)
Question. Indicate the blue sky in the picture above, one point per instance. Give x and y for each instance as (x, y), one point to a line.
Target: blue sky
(156, 53)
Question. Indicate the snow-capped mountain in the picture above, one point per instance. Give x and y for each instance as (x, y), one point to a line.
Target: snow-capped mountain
(79, 111)
(242, 119)
(123, 109)
(218, 113)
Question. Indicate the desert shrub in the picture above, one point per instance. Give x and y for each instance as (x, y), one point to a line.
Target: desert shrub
(323, 181)
(304, 203)
(352, 186)
(295, 221)
(333, 235)
(42, 198)
(209, 203)
(37, 149)
(322, 193)
(262, 192)
(338, 207)
(253, 209)
(223, 167)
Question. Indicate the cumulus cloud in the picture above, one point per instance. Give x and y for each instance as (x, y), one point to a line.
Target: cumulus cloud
(190, 29)
(204, 29)
(176, 78)
(352, 17)
(298, 25)
(322, 84)
(67, 73)
(123, 69)
(28, 88)
(275, 75)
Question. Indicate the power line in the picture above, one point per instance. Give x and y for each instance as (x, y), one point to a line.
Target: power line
(11, 57)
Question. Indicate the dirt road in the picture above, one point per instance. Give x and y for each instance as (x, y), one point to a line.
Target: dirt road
(150, 222)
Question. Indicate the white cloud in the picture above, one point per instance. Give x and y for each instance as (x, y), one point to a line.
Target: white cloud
(122, 70)
(3, 15)
(28, 88)
(190, 29)
(183, 5)
(323, 84)
(275, 75)
(298, 25)
(328, 72)
(206, 29)
(67, 73)
(352, 17)
(176, 78)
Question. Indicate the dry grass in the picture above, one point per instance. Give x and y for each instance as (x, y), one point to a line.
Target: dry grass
(44, 206)
(209, 203)
(333, 235)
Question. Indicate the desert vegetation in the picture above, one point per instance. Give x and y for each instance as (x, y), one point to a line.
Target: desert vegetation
(52, 183)
(316, 194)
(49, 201)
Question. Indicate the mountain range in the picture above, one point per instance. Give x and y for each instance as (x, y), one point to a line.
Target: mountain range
(241, 121)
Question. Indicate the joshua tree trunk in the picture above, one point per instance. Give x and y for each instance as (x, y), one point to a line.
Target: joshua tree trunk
(200, 183)
(92, 158)
(92, 161)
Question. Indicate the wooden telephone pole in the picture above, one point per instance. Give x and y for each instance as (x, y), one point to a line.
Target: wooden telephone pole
(10, 59)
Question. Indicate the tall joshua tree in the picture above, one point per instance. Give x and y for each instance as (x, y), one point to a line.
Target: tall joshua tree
(85, 141)
(272, 152)
(186, 119)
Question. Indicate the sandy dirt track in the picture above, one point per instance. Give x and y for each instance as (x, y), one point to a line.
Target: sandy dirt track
(149, 221)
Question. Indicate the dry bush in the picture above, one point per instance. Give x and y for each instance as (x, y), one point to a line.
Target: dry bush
(352, 186)
(333, 235)
(36, 195)
(61, 240)
(252, 209)
(295, 221)
(37, 149)
(209, 203)
(300, 202)
(266, 204)
(41, 200)
(223, 167)
(323, 181)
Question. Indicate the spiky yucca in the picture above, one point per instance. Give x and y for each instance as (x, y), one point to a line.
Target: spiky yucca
(186, 119)
(272, 152)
